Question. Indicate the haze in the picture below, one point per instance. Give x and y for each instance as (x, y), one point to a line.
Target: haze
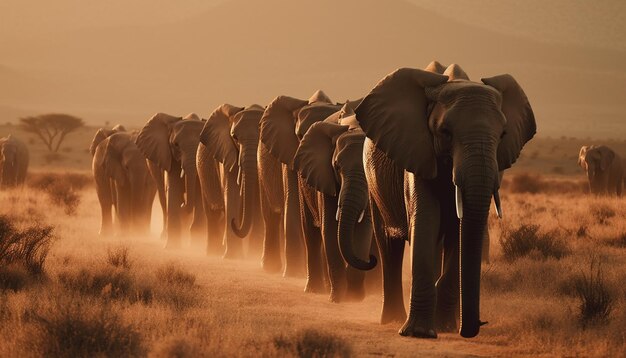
(120, 61)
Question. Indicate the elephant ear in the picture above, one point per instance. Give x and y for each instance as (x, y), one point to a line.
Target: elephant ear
(315, 154)
(153, 139)
(393, 116)
(608, 155)
(278, 124)
(113, 155)
(101, 135)
(216, 137)
(581, 156)
(313, 113)
(520, 120)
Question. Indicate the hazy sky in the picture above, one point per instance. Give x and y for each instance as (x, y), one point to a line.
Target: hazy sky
(122, 60)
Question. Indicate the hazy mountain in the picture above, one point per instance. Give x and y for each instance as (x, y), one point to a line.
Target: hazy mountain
(247, 51)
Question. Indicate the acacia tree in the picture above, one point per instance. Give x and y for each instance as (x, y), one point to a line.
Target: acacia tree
(51, 128)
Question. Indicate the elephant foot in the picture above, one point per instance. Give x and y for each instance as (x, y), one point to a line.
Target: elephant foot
(355, 294)
(446, 321)
(272, 266)
(315, 286)
(393, 315)
(416, 328)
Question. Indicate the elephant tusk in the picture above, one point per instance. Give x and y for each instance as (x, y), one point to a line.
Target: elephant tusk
(239, 176)
(459, 202)
(362, 214)
(337, 214)
(498, 204)
(182, 173)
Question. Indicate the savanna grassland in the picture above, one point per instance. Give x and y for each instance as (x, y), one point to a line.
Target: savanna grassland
(553, 286)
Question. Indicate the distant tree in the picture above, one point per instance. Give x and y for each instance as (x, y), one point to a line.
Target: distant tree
(51, 128)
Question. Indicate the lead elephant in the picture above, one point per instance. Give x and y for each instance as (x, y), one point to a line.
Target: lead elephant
(231, 136)
(13, 162)
(604, 168)
(171, 143)
(124, 181)
(436, 148)
(330, 159)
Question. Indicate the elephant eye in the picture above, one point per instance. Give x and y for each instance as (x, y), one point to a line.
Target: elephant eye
(445, 132)
(502, 135)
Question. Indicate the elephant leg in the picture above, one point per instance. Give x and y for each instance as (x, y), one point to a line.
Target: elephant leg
(175, 188)
(334, 261)
(486, 245)
(363, 243)
(103, 190)
(448, 283)
(198, 225)
(294, 243)
(255, 237)
(315, 268)
(424, 224)
(159, 179)
(391, 256)
(271, 259)
(234, 244)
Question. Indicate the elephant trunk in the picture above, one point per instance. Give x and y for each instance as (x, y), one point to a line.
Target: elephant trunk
(190, 173)
(352, 203)
(249, 187)
(476, 181)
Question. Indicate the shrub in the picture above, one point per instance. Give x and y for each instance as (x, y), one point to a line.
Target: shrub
(61, 193)
(13, 277)
(313, 343)
(62, 189)
(173, 274)
(526, 240)
(28, 248)
(74, 328)
(619, 240)
(602, 212)
(596, 302)
(106, 283)
(118, 257)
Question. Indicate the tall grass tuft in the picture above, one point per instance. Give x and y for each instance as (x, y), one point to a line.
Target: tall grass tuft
(526, 240)
(596, 301)
(312, 343)
(27, 248)
(118, 257)
(73, 327)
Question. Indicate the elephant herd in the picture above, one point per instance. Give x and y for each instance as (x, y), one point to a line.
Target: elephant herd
(310, 183)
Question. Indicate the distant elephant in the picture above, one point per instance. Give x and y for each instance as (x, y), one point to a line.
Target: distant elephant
(171, 143)
(284, 123)
(435, 147)
(231, 136)
(13, 163)
(330, 159)
(124, 181)
(604, 169)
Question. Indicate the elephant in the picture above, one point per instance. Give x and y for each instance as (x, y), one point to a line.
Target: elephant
(436, 144)
(123, 180)
(231, 136)
(283, 124)
(330, 159)
(13, 163)
(604, 169)
(171, 143)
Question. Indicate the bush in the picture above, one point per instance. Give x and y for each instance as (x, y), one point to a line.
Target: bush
(27, 248)
(527, 241)
(74, 328)
(596, 302)
(602, 212)
(61, 193)
(313, 343)
(173, 274)
(62, 189)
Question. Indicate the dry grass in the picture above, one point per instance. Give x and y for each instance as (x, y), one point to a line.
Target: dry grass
(132, 298)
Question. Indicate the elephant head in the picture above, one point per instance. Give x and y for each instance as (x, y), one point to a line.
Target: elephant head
(231, 135)
(102, 134)
(480, 128)
(126, 165)
(596, 161)
(172, 141)
(330, 159)
(286, 120)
